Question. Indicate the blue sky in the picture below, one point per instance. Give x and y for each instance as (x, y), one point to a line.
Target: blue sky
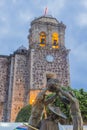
(15, 18)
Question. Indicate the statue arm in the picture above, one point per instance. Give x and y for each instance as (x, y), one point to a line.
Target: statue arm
(50, 100)
(63, 98)
(43, 91)
(66, 94)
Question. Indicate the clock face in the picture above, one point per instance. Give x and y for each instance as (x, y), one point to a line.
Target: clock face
(49, 58)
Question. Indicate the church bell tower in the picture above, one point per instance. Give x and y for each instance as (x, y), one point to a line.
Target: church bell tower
(48, 56)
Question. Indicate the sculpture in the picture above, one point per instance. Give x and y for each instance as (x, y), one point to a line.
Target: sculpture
(51, 123)
(74, 104)
(74, 110)
(38, 107)
(53, 85)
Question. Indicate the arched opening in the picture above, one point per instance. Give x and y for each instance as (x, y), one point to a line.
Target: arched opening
(55, 40)
(42, 39)
(32, 96)
(50, 76)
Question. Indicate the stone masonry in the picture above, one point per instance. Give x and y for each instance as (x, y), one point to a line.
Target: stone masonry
(24, 73)
(4, 69)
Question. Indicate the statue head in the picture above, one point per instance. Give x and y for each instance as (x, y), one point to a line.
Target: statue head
(53, 84)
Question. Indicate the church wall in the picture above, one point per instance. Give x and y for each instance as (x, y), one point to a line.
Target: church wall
(1, 111)
(4, 67)
(41, 67)
(10, 88)
(20, 84)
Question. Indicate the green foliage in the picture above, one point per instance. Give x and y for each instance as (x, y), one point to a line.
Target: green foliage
(82, 97)
(24, 114)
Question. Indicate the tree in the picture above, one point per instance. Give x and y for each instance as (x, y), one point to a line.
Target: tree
(82, 97)
(24, 114)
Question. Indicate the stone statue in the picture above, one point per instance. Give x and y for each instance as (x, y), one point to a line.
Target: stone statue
(38, 107)
(51, 123)
(53, 85)
(74, 103)
(74, 110)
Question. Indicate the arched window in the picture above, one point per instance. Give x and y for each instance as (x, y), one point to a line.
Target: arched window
(55, 40)
(42, 39)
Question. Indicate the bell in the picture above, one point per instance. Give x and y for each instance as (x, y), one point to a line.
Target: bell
(55, 43)
(42, 41)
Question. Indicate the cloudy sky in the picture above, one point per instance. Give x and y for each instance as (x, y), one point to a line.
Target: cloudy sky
(15, 18)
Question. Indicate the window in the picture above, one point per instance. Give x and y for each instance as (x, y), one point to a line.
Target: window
(55, 40)
(42, 39)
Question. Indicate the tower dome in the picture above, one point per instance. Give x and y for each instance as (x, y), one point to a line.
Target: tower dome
(21, 49)
(47, 31)
(45, 19)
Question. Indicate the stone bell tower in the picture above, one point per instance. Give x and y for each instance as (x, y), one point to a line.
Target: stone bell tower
(48, 54)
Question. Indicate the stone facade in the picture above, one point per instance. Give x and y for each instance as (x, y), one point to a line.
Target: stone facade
(20, 84)
(4, 77)
(42, 69)
(24, 73)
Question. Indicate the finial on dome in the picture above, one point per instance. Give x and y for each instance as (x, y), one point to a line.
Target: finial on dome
(45, 11)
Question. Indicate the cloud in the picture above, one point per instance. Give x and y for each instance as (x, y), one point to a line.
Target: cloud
(84, 3)
(14, 1)
(4, 26)
(78, 62)
(25, 16)
(4, 31)
(55, 7)
(78, 50)
(1, 3)
(4, 19)
(82, 19)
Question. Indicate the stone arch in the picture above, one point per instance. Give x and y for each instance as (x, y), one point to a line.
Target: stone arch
(55, 40)
(42, 39)
(48, 75)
